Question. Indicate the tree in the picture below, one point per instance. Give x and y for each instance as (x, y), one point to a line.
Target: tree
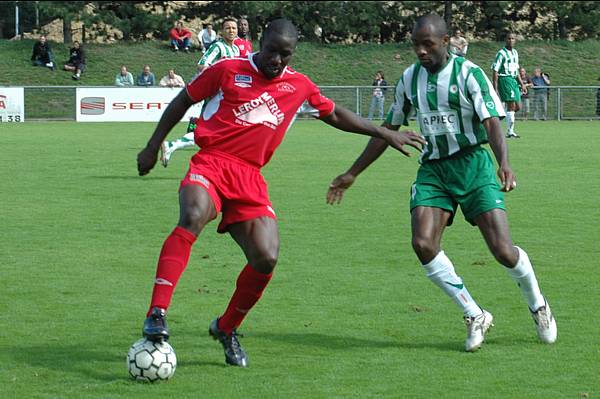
(67, 11)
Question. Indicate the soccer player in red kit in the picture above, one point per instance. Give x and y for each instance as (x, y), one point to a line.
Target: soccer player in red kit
(253, 102)
(243, 41)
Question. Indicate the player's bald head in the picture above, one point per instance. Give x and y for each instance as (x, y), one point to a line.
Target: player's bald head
(282, 27)
(432, 22)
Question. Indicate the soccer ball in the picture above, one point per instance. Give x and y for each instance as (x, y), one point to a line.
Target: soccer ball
(151, 361)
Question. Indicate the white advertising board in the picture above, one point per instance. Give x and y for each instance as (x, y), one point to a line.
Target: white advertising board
(12, 104)
(127, 104)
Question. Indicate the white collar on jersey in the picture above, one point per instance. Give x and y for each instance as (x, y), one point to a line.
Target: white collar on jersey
(251, 59)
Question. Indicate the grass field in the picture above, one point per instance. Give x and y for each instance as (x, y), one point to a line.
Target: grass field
(568, 63)
(349, 312)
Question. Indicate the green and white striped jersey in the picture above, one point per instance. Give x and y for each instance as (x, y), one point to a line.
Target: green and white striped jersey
(450, 106)
(507, 62)
(217, 50)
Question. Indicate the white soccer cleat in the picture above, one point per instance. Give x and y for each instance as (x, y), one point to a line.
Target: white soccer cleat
(165, 153)
(477, 327)
(545, 324)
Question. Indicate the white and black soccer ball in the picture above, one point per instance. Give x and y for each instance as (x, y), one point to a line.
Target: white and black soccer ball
(151, 361)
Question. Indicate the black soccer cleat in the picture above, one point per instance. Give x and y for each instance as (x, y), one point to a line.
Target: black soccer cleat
(234, 354)
(155, 326)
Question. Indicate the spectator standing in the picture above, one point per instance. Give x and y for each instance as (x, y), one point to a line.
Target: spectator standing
(598, 101)
(378, 98)
(528, 84)
(540, 94)
(76, 62)
(243, 41)
(42, 54)
(146, 78)
(458, 44)
(171, 80)
(206, 37)
(180, 37)
(124, 78)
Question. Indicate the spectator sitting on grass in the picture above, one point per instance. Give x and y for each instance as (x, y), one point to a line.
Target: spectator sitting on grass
(124, 78)
(180, 37)
(76, 62)
(42, 54)
(146, 78)
(171, 80)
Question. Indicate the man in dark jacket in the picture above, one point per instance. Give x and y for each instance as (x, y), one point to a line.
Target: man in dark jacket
(42, 54)
(76, 62)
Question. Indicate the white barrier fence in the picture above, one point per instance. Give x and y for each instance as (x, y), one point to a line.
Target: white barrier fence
(18, 104)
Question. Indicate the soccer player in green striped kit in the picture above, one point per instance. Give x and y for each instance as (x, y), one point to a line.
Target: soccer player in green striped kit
(458, 111)
(223, 47)
(508, 83)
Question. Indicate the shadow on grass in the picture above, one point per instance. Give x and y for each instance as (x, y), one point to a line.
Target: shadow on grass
(91, 364)
(135, 177)
(338, 342)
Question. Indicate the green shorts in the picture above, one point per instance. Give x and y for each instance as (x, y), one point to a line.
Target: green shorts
(467, 179)
(508, 89)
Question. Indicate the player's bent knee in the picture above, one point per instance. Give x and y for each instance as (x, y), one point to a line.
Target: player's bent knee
(264, 263)
(424, 248)
(193, 219)
(506, 254)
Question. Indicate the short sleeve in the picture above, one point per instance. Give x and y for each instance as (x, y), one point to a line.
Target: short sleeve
(206, 83)
(400, 109)
(213, 54)
(498, 62)
(318, 101)
(486, 102)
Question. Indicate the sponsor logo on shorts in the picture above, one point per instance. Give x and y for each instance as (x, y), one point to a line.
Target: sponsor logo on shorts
(490, 105)
(498, 201)
(199, 179)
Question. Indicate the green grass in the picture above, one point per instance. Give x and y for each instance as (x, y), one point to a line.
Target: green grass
(568, 63)
(349, 312)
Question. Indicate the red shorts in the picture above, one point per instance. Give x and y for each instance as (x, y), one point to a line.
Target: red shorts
(237, 188)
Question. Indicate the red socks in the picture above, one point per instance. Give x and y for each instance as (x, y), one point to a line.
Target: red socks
(172, 261)
(249, 289)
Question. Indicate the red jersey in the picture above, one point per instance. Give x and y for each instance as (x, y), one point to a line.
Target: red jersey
(248, 114)
(180, 34)
(245, 46)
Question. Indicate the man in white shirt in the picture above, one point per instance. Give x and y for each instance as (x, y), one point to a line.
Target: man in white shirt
(206, 37)
(171, 80)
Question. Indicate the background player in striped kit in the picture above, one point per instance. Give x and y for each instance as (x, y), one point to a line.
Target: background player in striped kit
(507, 81)
(458, 111)
(224, 47)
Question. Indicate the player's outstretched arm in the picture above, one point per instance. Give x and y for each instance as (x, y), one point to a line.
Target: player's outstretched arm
(372, 151)
(346, 120)
(498, 145)
(146, 159)
(341, 183)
